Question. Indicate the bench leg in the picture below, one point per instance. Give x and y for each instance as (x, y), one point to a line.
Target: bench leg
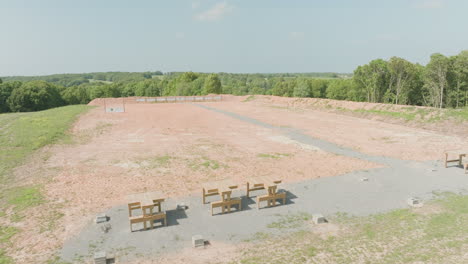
(446, 158)
(248, 190)
(203, 195)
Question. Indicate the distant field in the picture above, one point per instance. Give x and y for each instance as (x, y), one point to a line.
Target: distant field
(98, 81)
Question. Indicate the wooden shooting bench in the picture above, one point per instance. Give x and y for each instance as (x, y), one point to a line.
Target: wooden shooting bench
(458, 153)
(272, 195)
(146, 202)
(226, 200)
(224, 189)
(258, 183)
(212, 188)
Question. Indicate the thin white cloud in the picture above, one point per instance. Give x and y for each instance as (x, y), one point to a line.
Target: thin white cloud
(428, 4)
(297, 35)
(215, 13)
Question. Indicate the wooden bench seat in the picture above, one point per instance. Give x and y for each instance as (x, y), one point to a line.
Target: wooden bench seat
(227, 204)
(271, 199)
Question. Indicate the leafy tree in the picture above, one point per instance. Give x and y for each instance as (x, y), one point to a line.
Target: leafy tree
(460, 73)
(339, 89)
(373, 77)
(435, 79)
(34, 96)
(318, 88)
(401, 76)
(212, 85)
(5, 91)
(75, 95)
(303, 89)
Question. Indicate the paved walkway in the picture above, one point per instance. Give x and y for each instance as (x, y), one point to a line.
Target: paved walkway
(387, 189)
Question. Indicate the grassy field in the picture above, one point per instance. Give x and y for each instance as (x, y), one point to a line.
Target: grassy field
(435, 233)
(21, 134)
(422, 115)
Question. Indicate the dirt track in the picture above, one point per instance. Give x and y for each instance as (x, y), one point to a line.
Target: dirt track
(176, 147)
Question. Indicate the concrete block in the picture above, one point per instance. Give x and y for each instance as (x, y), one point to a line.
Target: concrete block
(198, 241)
(318, 219)
(101, 218)
(414, 202)
(182, 206)
(364, 179)
(100, 257)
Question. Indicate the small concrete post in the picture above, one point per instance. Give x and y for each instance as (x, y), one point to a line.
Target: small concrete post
(318, 219)
(100, 257)
(198, 241)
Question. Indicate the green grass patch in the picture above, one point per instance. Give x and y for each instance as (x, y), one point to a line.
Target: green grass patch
(23, 133)
(459, 114)
(400, 115)
(20, 135)
(250, 98)
(273, 155)
(4, 259)
(24, 197)
(290, 221)
(421, 235)
(206, 163)
(160, 161)
(7, 232)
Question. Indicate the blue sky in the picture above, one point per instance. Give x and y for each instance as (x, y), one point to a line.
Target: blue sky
(68, 36)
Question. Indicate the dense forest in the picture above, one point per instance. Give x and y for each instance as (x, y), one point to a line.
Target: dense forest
(443, 82)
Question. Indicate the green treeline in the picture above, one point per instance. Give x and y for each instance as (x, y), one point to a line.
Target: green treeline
(443, 82)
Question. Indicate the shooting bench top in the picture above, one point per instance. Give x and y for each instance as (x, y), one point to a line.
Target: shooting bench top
(147, 198)
(218, 188)
(262, 182)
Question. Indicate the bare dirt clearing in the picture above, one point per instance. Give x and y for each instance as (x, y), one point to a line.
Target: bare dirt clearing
(168, 147)
(177, 147)
(364, 135)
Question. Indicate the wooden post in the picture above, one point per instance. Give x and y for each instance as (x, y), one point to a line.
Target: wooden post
(446, 158)
(204, 199)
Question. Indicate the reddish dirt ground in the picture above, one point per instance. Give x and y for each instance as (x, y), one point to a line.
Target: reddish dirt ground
(364, 135)
(177, 147)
